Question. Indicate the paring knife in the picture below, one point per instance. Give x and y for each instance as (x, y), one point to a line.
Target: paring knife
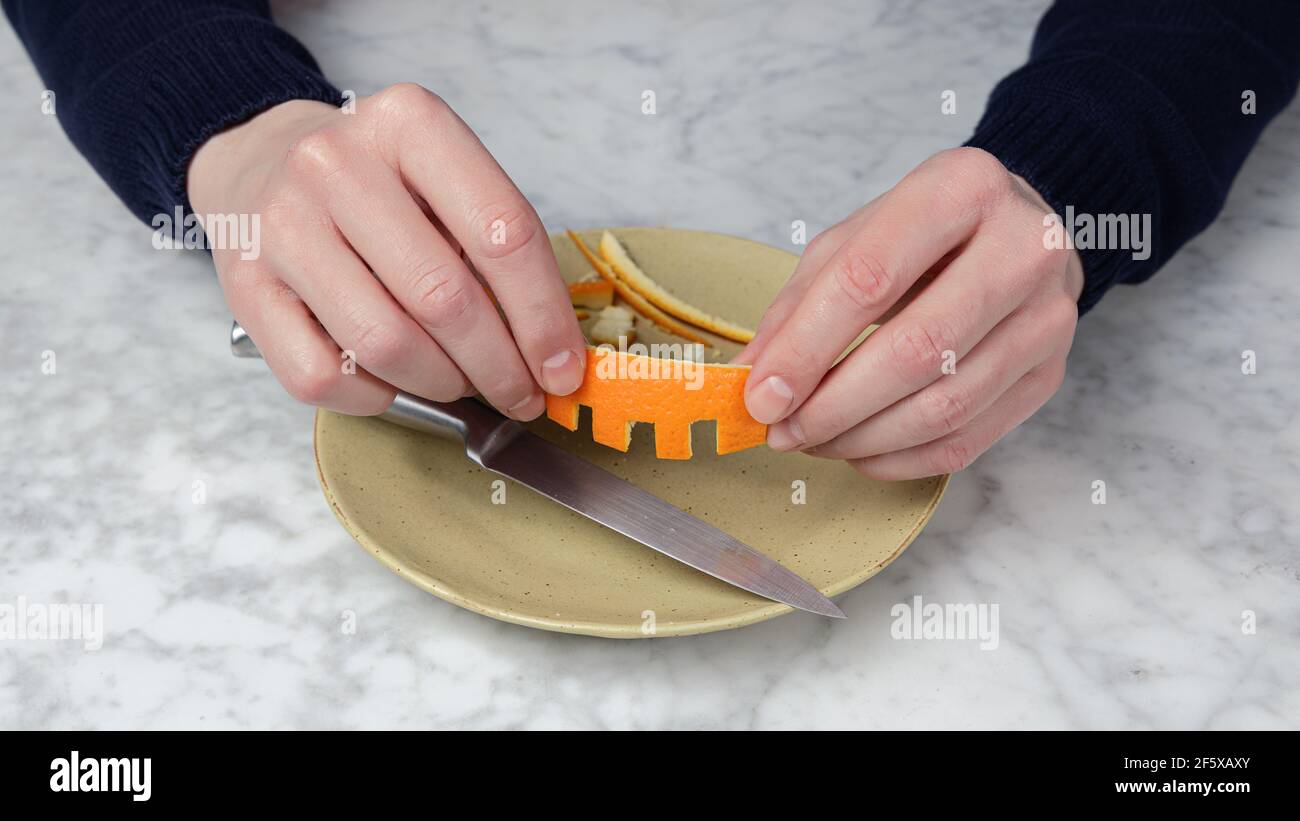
(505, 447)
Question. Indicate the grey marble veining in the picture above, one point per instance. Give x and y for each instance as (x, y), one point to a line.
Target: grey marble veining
(227, 614)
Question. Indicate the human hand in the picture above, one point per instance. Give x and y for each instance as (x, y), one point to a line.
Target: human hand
(952, 261)
(375, 227)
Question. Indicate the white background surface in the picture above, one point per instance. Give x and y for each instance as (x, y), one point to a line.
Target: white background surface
(228, 614)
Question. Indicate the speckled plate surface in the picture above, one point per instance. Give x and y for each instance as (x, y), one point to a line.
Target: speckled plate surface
(424, 510)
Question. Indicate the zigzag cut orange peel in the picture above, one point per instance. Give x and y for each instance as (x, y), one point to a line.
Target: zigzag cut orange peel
(624, 388)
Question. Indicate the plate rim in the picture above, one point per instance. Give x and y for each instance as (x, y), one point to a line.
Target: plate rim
(430, 584)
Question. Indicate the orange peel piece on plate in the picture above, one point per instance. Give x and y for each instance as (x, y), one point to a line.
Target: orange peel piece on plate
(638, 302)
(593, 294)
(613, 325)
(624, 388)
(654, 293)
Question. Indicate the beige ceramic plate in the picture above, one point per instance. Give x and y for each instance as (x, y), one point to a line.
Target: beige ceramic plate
(425, 511)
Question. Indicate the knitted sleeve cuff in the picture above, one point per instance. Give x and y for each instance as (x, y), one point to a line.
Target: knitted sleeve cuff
(181, 89)
(1065, 148)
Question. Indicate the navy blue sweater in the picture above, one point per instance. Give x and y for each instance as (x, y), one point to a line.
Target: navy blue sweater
(1124, 107)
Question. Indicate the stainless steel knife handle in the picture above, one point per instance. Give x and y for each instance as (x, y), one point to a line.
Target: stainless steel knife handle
(241, 344)
(462, 419)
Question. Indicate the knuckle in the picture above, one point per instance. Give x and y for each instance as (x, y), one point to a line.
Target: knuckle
(1057, 378)
(981, 166)
(944, 409)
(378, 348)
(817, 245)
(318, 153)
(863, 278)
(248, 286)
(278, 218)
(981, 173)
(953, 455)
(451, 389)
(1058, 374)
(977, 160)
(506, 386)
(792, 349)
(281, 292)
(822, 421)
(919, 349)
(441, 295)
(1063, 315)
(1046, 257)
(404, 99)
(313, 380)
(867, 467)
(502, 230)
(1050, 376)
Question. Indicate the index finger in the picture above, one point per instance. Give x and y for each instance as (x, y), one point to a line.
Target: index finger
(443, 160)
(918, 222)
(810, 262)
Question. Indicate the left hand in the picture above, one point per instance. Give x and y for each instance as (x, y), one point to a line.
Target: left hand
(952, 261)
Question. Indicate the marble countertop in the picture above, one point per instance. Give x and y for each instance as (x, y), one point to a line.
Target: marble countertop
(1173, 605)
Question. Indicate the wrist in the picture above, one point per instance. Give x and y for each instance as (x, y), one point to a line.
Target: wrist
(1074, 266)
(224, 158)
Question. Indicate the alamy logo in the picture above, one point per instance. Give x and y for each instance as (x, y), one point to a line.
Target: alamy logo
(197, 232)
(659, 361)
(36, 621)
(920, 620)
(77, 774)
(1104, 232)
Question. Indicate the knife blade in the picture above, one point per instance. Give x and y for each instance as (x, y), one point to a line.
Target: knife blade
(505, 447)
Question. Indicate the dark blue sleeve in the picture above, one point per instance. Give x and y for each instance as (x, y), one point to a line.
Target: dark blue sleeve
(1136, 107)
(140, 84)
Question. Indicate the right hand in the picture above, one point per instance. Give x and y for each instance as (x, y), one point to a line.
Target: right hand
(374, 228)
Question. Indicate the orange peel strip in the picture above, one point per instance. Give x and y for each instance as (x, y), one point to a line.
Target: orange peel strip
(593, 294)
(654, 293)
(638, 303)
(624, 388)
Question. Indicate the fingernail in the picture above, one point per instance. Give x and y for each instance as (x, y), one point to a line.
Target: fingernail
(562, 373)
(768, 402)
(529, 409)
(785, 435)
